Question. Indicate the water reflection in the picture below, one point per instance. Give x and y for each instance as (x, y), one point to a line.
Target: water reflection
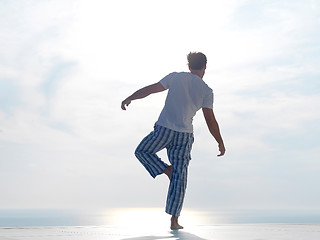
(153, 224)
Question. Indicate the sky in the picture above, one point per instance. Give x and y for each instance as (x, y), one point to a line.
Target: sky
(65, 67)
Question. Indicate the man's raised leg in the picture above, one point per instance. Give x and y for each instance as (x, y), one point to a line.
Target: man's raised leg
(149, 146)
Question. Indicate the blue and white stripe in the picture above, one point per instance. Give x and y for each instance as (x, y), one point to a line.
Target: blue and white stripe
(178, 145)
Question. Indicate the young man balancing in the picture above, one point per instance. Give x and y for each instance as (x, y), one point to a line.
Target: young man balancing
(187, 93)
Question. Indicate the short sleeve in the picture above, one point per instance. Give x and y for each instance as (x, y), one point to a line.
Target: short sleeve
(166, 81)
(208, 100)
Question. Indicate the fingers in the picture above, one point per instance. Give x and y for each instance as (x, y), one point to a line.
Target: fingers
(221, 154)
(222, 150)
(123, 107)
(124, 104)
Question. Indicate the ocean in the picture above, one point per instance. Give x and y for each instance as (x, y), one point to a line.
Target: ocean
(153, 224)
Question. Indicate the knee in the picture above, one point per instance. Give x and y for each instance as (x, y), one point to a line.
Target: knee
(138, 153)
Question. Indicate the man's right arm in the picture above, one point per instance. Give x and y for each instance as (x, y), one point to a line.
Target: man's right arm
(142, 93)
(214, 128)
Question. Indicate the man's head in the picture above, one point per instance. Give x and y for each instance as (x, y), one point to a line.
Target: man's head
(196, 60)
(197, 63)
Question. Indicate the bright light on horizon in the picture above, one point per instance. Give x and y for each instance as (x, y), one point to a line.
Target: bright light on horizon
(156, 218)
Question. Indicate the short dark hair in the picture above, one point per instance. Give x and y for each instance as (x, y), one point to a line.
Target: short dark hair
(196, 60)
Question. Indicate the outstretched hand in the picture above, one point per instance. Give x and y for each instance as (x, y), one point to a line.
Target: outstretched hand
(221, 149)
(125, 103)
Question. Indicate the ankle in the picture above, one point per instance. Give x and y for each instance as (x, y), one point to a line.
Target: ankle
(174, 219)
(174, 223)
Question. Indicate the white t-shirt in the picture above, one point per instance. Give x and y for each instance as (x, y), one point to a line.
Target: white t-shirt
(187, 94)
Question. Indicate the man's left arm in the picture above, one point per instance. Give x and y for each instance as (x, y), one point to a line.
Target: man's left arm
(214, 128)
(142, 93)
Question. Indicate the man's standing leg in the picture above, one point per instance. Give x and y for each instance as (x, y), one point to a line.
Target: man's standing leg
(179, 156)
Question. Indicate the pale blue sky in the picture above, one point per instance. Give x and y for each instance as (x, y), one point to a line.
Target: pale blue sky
(65, 67)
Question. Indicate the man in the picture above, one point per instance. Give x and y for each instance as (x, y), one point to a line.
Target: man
(187, 93)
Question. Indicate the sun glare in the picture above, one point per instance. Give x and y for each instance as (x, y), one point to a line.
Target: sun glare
(141, 218)
(156, 218)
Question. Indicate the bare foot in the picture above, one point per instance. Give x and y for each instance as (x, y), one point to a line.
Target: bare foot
(174, 223)
(168, 171)
(176, 227)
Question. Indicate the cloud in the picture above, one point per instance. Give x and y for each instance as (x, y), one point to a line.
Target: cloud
(65, 68)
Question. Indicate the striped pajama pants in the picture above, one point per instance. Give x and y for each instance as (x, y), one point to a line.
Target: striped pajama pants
(178, 145)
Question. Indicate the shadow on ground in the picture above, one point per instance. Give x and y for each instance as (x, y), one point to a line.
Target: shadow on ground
(177, 235)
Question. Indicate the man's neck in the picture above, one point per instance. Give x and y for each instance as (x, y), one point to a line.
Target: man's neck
(199, 73)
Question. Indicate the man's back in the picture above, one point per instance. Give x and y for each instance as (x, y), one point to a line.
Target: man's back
(173, 131)
(187, 94)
